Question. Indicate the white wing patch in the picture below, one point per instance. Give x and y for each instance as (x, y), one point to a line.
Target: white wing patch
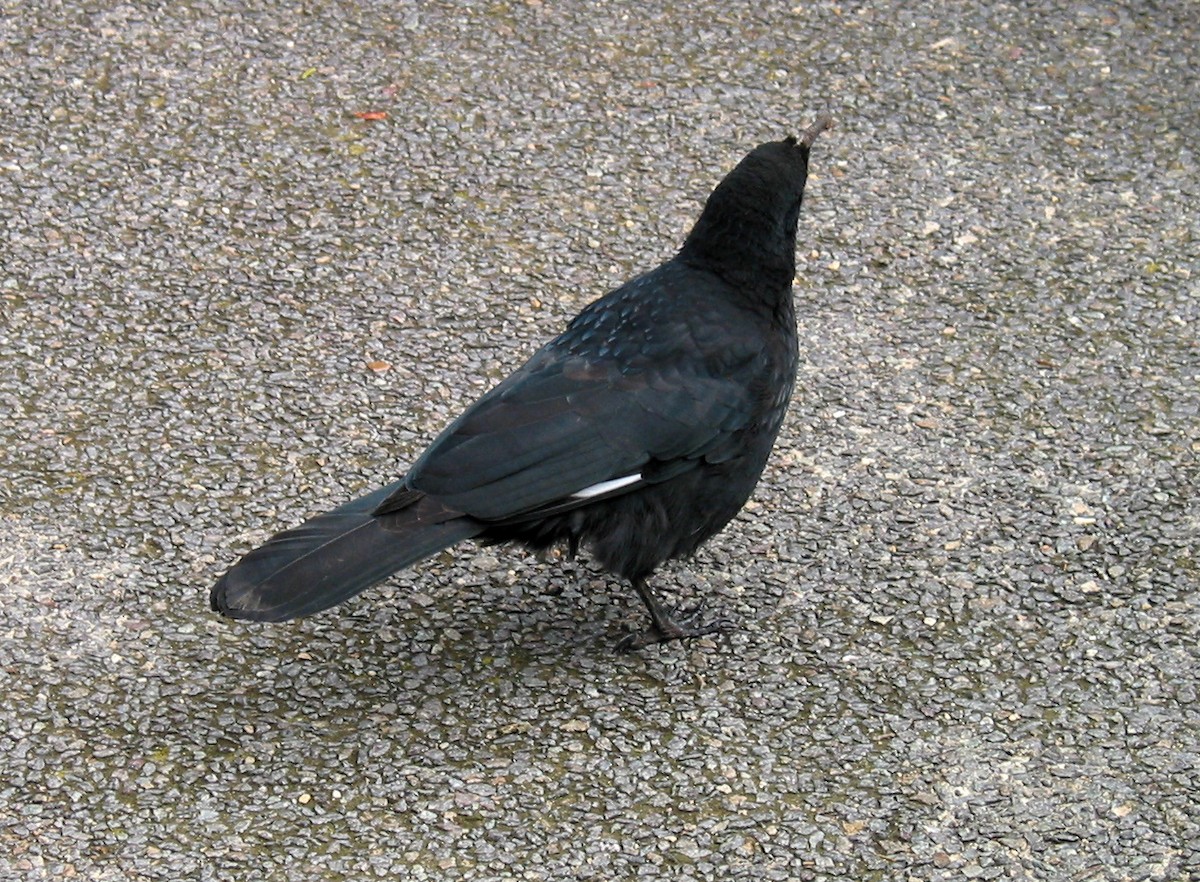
(607, 486)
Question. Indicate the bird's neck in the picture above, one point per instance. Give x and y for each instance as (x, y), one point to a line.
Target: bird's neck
(755, 254)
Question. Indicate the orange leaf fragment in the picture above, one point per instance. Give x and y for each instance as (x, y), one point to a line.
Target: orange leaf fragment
(372, 114)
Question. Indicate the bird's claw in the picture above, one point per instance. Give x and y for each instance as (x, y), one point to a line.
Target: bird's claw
(683, 625)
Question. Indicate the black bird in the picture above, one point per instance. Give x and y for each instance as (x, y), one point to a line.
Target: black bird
(638, 432)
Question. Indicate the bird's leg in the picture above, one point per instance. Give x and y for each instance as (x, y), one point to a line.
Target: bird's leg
(663, 626)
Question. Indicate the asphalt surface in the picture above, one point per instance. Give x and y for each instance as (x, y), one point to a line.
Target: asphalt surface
(966, 588)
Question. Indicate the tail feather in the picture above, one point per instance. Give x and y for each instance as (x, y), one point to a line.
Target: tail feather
(335, 555)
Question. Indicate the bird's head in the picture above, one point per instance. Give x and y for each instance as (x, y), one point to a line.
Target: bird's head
(770, 180)
(749, 220)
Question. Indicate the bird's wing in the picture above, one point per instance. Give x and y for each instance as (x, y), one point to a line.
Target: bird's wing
(570, 425)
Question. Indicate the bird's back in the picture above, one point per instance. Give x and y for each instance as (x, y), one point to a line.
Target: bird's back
(711, 373)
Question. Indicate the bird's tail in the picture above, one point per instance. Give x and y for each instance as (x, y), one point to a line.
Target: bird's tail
(335, 555)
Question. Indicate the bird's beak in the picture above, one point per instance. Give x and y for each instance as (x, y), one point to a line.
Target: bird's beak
(823, 122)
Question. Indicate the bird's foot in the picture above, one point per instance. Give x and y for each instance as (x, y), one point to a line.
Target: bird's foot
(687, 624)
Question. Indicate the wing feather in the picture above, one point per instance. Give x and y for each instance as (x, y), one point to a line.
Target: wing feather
(627, 388)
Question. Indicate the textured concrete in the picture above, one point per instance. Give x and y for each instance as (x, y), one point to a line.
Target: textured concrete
(967, 586)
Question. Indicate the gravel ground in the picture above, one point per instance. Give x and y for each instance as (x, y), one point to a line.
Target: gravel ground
(967, 586)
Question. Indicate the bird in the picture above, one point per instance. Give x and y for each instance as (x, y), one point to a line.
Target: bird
(637, 433)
